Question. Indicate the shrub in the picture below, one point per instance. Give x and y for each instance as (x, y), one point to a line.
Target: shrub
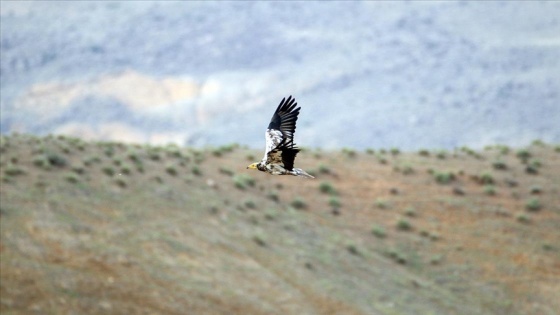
(273, 196)
(530, 169)
(109, 151)
(381, 204)
(538, 142)
(126, 169)
(397, 256)
(171, 170)
(299, 203)
(173, 151)
(444, 177)
(504, 150)
(395, 151)
(407, 169)
(259, 240)
(535, 163)
(499, 165)
(533, 204)
(121, 182)
(436, 260)
(327, 188)
(134, 157)
(523, 155)
(153, 154)
(226, 171)
(250, 204)
(523, 218)
(410, 212)
(41, 161)
(350, 153)
(490, 190)
(486, 179)
(56, 159)
(78, 169)
(424, 152)
(404, 225)
(195, 170)
(13, 170)
(117, 161)
(323, 169)
(108, 170)
(334, 202)
(243, 181)
(378, 231)
(352, 249)
(92, 159)
(71, 178)
(535, 190)
(458, 191)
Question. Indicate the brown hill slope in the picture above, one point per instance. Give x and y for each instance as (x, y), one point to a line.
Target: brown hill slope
(95, 228)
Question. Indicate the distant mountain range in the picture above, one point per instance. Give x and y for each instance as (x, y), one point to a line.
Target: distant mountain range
(367, 74)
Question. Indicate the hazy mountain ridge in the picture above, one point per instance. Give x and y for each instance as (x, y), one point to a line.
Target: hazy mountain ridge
(390, 74)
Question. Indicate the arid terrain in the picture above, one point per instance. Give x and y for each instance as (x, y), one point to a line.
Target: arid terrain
(110, 228)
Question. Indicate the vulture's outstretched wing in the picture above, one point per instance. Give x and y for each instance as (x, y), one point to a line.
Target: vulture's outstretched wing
(280, 147)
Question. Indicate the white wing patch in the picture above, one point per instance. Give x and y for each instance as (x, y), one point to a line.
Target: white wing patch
(273, 139)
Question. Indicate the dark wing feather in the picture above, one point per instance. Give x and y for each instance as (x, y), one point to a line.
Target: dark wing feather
(284, 153)
(284, 120)
(285, 117)
(289, 153)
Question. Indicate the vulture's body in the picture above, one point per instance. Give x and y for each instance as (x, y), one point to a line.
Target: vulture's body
(280, 150)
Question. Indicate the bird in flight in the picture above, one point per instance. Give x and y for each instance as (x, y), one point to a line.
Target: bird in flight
(280, 150)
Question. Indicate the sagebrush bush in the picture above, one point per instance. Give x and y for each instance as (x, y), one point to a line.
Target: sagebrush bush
(499, 165)
(378, 231)
(535, 190)
(108, 170)
(226, 171)
(250, 204)
(490, 190)
(14, 170)
(196, 170)
(410, 212)
(381, 203)
(327, 188)
(56, 159)
(486, 179)
(273, 196)
(444, 177)
(299, 203)
(172, 170)
(523, 155)
(424, 152)
(335, 202)
(323, 169)
(404, 225)
(533, 204)
(41, 161)
(71, 178)
(121, 182)
(242, 181)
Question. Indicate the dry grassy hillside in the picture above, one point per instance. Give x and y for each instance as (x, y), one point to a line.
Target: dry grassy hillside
(92, 228)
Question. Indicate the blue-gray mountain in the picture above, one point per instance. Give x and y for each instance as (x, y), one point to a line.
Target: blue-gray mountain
(367, 74)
